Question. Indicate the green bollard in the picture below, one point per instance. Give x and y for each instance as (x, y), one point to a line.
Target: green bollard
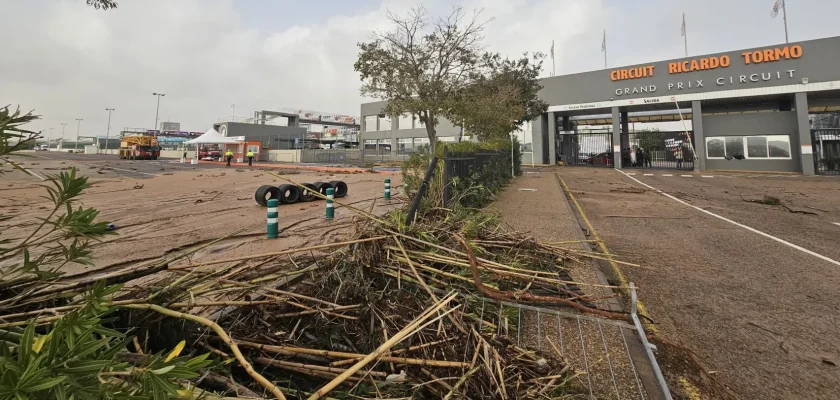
(387, 188)
(272, 219)
(330, 206)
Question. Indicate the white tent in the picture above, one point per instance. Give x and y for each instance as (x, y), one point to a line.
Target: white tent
(210, 137)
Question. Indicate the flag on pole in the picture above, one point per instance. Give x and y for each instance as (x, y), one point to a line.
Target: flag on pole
(776, 6)
(552, 49)
(683, 26)
(604, 42)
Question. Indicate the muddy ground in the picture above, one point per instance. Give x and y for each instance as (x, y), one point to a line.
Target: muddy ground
(164, 207)
(739, 314)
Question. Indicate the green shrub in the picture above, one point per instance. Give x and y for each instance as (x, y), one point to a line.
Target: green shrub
(477, 189)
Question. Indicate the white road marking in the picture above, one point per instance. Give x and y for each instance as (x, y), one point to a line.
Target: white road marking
(667, 175)
(648, 174)
(767, 235)
(687, 176)
(708, 176)
(631, 173)
(836, 223)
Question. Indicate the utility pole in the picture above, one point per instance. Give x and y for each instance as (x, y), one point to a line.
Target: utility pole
(50, 138)
(108, 132)
(157, 110)
(63, 125)
(78, 127)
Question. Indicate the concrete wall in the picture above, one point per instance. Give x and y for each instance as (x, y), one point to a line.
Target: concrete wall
(818, 63)
(765, 123)
(290, 156)
(176, 154)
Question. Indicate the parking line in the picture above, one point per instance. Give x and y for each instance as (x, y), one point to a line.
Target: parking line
(648, 174)
(836, 223)
(753, 230)
(667, 175)
(687, 176)
(708, 176)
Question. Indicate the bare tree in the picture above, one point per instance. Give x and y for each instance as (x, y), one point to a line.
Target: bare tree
(421, 66)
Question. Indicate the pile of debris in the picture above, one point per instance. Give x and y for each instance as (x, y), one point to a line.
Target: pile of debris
(395, 311)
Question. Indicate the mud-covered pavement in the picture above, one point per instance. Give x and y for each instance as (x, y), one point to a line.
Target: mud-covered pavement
(760, 315)
(164, 207)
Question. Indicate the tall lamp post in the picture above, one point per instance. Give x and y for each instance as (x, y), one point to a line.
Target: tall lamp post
(78, 128)
(108, 131)
(63, 125)
(157, 110)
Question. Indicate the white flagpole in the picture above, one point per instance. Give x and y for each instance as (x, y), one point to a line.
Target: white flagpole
(784, 17)
(685, 36)
(553, 70)
(604, 47)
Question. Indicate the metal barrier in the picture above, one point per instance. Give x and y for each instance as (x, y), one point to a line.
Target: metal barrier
(590, 343)
(593, 149)
(462, 166)
(826, 145)
(658, 149)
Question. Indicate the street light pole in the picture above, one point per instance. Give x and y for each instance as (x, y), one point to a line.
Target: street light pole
(108, 132)
(78, 128)
(63, 125)
(157, 111)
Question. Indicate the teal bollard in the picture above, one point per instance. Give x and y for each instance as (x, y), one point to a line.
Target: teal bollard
(387, 188)
(330, 205)
(272, 219)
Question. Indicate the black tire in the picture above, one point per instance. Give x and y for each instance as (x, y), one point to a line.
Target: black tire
(261, 196)
(340, 189)
(308, 194)
(289, 194)
(322, 187)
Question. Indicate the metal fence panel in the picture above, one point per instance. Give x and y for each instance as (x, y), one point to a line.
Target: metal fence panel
(593, 149)
(658, 149)
(826, 144)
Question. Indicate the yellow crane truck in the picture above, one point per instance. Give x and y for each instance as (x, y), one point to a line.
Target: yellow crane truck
(139, 148)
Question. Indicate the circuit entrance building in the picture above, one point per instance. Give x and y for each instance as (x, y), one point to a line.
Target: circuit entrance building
(748, 110)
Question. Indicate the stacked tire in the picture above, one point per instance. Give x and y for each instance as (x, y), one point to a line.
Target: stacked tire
(291, 194)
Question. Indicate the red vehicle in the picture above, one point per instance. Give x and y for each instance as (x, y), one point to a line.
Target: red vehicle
(212, 152)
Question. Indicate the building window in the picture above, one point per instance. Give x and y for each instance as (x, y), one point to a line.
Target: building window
(418, 124)
(757, 147)
(370, 144)
(370, 123)
(405, 122)
(384, 146)
(405, 146)
(385, 123)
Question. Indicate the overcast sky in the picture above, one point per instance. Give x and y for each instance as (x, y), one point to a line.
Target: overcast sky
(68, 61)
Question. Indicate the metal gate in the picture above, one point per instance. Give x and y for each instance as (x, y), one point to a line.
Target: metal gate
(658, 149)
(593, 149)
(826, 145)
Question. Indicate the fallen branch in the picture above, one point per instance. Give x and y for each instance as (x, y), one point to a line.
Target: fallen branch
(398, 337)
(527, 297)
(222, 334)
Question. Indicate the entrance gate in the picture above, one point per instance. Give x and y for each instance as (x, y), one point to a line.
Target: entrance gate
(658, 149)
(826, 145)
(593, 149)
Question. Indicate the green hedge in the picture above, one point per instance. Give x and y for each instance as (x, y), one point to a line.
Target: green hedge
(474, 191)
